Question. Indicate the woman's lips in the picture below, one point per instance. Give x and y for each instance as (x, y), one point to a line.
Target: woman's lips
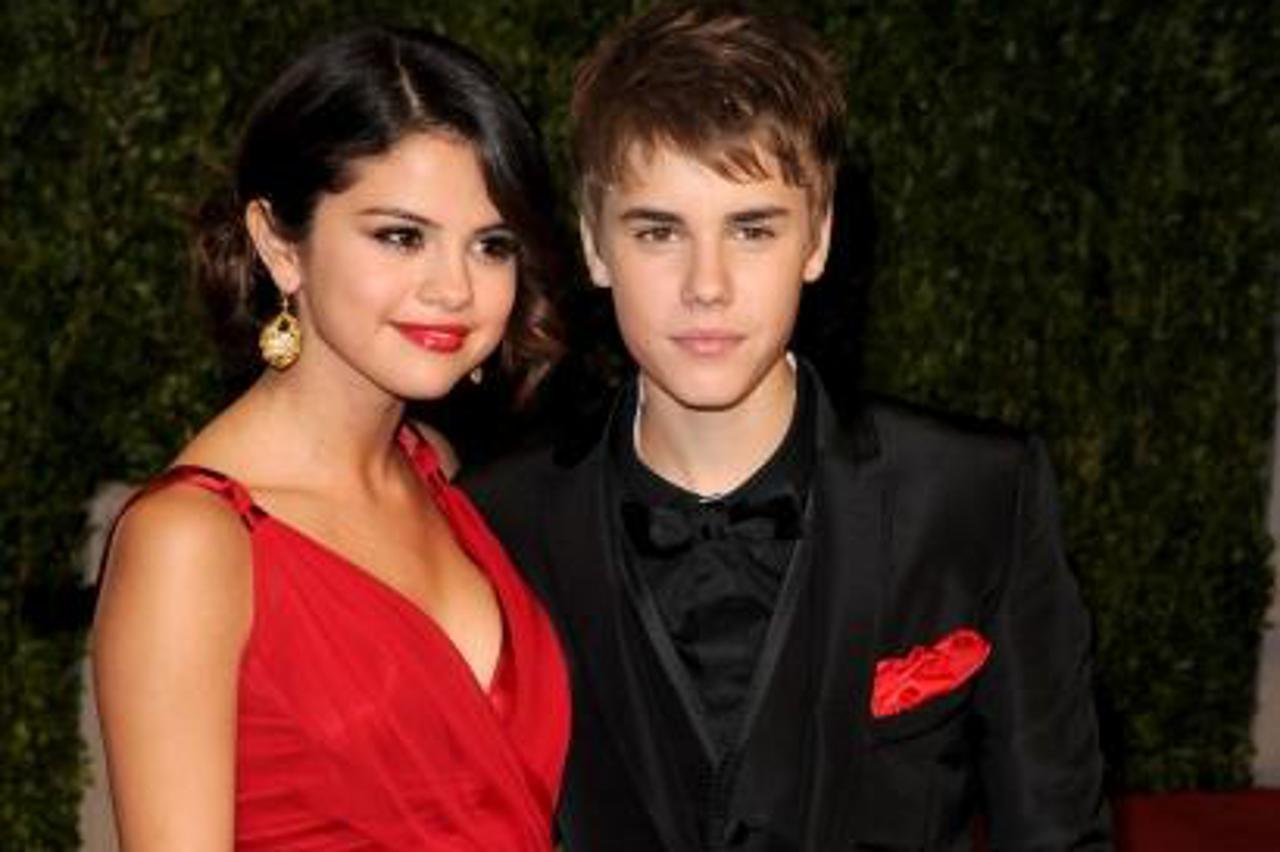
(436, 338)
(707, 343)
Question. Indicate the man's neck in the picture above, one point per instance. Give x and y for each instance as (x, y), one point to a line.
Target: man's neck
(712, 452)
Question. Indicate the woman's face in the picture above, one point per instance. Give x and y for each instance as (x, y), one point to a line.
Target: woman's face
(408, 275)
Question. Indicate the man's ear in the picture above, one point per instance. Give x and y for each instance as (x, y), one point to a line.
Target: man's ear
(279, 254)
(817, 260)
(596, 267)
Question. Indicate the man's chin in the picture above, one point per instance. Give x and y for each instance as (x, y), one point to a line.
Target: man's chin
(707, 396)
(710, 388)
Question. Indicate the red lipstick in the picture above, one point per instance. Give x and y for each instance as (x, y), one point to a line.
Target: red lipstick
(435, 337)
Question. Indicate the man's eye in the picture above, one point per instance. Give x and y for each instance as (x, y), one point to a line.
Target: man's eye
(656, 234)
(399, 237)
(754, 233)
(498, 248)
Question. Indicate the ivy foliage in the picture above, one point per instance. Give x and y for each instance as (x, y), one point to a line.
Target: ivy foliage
(1070, 222)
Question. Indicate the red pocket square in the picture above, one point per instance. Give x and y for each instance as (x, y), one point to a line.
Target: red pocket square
(905, 682)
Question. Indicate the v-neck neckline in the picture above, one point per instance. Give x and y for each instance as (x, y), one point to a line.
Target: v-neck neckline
(411, 444)
(403, 601)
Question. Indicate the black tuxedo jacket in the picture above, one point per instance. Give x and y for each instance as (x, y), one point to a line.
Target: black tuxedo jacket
(917, 526)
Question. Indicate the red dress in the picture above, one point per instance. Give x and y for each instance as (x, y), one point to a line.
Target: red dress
(359, 724)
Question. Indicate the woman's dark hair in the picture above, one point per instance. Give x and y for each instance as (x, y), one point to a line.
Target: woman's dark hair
(357, 95)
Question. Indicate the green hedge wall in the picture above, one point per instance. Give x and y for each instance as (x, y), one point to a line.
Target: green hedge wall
(1071, 223)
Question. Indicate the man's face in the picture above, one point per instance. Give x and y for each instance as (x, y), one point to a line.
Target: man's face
(706, 273)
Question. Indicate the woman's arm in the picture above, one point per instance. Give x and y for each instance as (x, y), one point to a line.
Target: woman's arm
(172, 621)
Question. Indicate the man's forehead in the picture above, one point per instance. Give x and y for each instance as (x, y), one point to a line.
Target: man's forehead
(740, 161)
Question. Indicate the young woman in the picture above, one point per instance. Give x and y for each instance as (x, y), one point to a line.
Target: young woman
(306, 637)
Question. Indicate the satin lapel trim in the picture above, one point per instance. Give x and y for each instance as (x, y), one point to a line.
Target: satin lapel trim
(779, 632)
(841, 587)
(677, 674)
(592, 597)
(750, 772)
(853, 540)
(854, 566)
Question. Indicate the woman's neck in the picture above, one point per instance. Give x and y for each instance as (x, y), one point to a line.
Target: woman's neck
(339, 427)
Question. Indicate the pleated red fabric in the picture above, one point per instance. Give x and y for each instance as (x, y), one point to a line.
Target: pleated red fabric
(361, 727)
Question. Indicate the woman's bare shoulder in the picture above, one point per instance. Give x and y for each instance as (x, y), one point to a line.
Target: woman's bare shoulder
(173, 620)
(180, 562)
(180, 518)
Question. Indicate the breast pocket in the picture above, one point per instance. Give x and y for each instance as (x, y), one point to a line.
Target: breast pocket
(940, 715)
(890, 811)
(906, 766)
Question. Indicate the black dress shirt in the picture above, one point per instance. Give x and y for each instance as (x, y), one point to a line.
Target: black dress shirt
(715, 583)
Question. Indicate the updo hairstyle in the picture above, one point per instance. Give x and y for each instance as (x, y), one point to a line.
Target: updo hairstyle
(356, 96)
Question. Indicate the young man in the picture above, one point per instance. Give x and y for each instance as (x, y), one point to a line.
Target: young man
(787, 631)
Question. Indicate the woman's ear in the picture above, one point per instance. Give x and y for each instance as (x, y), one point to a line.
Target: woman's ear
(279, 254)
(596, 267)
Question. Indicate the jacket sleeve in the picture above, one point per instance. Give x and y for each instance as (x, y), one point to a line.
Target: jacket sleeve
(1039, 755)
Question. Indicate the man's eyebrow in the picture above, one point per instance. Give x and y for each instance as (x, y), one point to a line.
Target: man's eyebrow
(649, 214)
(759, 214)
(399, 213)
(738, 217)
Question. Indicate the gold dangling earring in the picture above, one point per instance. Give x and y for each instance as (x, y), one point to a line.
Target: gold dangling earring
(281, 339)
(476, 375)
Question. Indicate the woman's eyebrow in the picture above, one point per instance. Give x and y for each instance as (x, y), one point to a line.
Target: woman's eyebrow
(400, 213)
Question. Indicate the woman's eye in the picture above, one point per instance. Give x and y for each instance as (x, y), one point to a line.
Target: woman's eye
(399, 237)
(498, 248)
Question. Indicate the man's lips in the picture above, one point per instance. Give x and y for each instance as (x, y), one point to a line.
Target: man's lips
(437, 338)
(707, 343)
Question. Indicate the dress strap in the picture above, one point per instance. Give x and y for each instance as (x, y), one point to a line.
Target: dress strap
(422, 454)
(210, 480)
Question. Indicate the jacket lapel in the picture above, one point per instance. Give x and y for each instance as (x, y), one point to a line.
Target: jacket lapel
(857, 535)
(820, 694)
(854, 539)
(648, 728)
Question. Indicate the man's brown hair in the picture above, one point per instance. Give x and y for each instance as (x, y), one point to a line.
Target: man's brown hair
(716, 82)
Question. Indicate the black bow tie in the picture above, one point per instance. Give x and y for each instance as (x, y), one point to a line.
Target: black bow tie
(669, 529)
